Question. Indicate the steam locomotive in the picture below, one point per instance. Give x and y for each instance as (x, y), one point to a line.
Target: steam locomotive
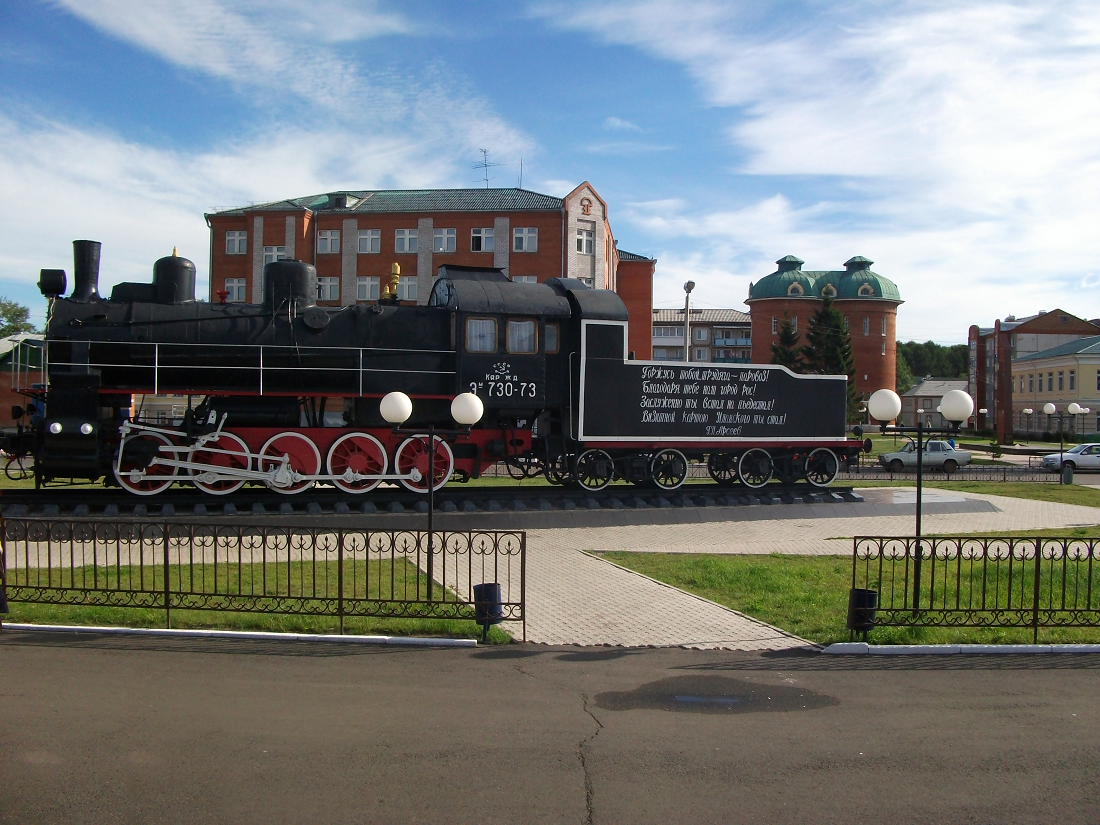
(286, 393)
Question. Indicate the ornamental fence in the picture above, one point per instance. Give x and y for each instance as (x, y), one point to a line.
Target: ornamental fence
(964, 581)
(284, 569)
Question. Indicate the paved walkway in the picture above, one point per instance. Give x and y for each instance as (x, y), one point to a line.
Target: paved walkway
(573, 598)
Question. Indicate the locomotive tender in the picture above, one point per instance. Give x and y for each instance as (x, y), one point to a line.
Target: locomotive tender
(562, 397)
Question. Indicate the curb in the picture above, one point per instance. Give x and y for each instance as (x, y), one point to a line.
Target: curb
(863, 649)
(264, 635)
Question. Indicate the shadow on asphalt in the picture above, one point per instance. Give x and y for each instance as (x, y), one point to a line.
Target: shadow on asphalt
(714, 694)
(809, 661)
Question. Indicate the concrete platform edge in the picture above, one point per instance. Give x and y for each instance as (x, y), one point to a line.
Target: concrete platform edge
(253, 635)
(862, 648)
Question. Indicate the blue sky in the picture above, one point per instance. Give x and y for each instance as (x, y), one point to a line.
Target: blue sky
(955, 144)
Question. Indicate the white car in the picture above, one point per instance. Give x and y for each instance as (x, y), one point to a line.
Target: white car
(1081, 457)
(937, 455)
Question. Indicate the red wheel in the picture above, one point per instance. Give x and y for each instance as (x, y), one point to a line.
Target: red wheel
(222, 456)
(135, 469)
(413, 454)
(357, 453)
(305, 460)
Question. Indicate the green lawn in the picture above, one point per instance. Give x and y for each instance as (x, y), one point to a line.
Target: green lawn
(807, 596)
(1033, 490)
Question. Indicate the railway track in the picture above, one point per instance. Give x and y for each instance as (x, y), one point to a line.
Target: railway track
(186, 503)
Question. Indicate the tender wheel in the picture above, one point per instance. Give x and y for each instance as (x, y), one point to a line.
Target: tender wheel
(595, 470)
(822, 467)
(896, 466)
(668, 469)
(950, 465)
(227, 453)
(135, 470)
(305, 460)
(360, 453)
(755, 468)
(413, 454)
(722, 467)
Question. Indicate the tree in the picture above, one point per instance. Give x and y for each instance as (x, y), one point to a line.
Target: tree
(786, 352)
(14, 318)
(934, 359)
(828, 350)
(903, 381)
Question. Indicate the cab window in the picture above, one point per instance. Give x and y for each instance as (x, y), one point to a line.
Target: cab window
(522, 337)
(481, 335)
(551, 339)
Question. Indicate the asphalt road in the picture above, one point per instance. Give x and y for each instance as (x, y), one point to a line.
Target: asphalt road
(137, 730)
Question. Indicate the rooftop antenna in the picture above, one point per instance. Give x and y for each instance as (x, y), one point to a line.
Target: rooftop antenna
(485, 165)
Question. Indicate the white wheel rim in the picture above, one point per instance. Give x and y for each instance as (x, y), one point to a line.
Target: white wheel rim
(419, 440)
(163, 481)
(582, 460)
(673, 455)
(221, 444)
(836, 466)
(755, 485)
(356, 487)
(266, 462)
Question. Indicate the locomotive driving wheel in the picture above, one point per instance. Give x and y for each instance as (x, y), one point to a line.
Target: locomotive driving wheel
(304, 460)
(822, 467)
(595, 470)
(413, 454)
(135, 469)
(668, 469)
(557, 469)
(722, 467)
(227, 452)
(755, 468)
(357, 453)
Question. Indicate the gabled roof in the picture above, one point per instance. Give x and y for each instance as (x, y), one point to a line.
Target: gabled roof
(408, 200)
(702, 316)
(631, 256)
(936, 387)
(1082, 346)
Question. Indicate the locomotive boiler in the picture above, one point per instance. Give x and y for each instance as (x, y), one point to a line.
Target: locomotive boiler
(286, 393)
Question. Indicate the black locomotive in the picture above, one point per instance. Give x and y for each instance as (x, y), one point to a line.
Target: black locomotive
(261, 383)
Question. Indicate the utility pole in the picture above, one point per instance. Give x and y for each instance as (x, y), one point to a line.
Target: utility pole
(688, 287)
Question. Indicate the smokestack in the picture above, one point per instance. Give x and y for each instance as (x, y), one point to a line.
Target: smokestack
(86, 271)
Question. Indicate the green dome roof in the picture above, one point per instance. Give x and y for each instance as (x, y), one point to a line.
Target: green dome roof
(856, 281)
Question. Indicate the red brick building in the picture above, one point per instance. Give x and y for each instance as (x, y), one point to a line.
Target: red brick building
(354, 238)
(868, 301)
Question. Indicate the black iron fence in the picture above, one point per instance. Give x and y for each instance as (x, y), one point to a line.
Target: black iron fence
(962, 581)
(302, 570)
(971, 472)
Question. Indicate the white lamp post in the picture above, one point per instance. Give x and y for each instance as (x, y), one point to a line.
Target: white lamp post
(688, 287)
(1028, 412)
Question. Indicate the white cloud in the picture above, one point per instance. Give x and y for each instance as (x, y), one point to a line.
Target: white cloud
(964, 142)
(618, 124)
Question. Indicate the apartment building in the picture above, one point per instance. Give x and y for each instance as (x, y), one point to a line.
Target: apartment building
(719, 336)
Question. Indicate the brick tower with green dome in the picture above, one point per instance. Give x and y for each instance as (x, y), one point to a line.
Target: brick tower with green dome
(868, 301)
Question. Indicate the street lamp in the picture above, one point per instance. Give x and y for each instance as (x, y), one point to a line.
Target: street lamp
(688, 287)
(1028, 411)
(1050, 409)
(956, 406)
(466, 409)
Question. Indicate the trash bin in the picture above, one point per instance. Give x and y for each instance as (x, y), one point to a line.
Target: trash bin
(862, 605)
(487, 607)
(1067, 474)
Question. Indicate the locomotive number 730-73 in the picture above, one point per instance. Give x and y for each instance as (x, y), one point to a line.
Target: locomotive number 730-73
(505, 389)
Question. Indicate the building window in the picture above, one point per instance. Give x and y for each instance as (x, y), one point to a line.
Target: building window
(481, 335)
(775, 331)
(1061, 381)
(404, 241)
(481, 240)
(668, 332)
(525, 239)
(700, 333)
(1050, 382)
(443, 240)
(701, 354)
(584, 241)
(1072, 380)
(274, 253)
(521, 337)
(866, 291)
(328, 289)
(866, 326)
(236, 242)
(366, 288)
(846, 323)
(525, 279)
(794, 289)
(883, 347)
(1031, 382)
(328, 241)
(883, 324)
(552, 339)
(406, 288)
(794, 323)
(235, 290)
(370, 241)
(829, 291)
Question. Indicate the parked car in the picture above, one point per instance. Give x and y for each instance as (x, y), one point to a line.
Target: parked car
(1081, 457)
(938, 455)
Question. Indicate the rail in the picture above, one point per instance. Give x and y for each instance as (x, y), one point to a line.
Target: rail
(968, 581)
(284, 569)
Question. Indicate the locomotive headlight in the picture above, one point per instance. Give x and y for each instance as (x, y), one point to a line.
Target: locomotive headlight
(86, 428)
(55, 427)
